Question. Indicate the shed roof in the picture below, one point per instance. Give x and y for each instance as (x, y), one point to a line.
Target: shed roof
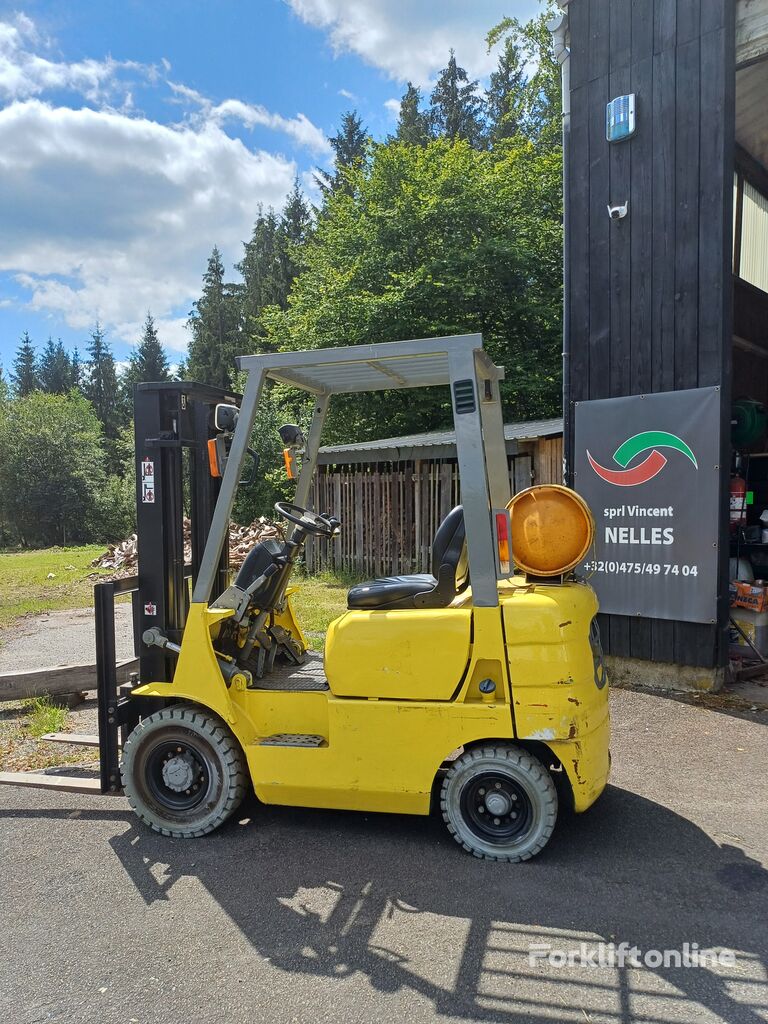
(436, 444)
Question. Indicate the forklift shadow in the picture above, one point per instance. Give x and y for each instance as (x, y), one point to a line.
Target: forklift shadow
(334, 894)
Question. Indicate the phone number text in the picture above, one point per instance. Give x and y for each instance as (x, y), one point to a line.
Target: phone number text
(641, 568)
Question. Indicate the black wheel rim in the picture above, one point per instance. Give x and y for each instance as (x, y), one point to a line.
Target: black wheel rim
(177, 774)
(496, 808)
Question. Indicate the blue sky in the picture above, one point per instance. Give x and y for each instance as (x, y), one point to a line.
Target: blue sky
(134, 135)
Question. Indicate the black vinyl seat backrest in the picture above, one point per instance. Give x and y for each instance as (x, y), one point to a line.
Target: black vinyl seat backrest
(449, 561)
(258, 560)
(449, 549)
(449, 577)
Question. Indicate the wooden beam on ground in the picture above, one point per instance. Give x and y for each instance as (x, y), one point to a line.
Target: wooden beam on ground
(751, 31)
(60, 783)
(79, 739)
(53, 681)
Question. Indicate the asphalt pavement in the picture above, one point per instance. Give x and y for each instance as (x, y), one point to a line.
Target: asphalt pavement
(295, 915)
(61, 638)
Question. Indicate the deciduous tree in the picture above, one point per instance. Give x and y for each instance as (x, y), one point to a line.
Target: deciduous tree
(431, 241)
(537, 97)
(52, 470)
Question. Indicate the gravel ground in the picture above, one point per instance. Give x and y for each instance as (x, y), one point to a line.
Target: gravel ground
(295, 915)
(48, 640)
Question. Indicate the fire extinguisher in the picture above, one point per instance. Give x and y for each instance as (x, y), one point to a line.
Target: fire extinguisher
(738, 500)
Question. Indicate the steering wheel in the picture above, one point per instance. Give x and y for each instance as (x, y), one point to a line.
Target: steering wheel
(310, 522)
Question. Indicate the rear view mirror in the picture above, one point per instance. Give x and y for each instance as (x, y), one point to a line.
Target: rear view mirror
(291, 436)
(225, 417)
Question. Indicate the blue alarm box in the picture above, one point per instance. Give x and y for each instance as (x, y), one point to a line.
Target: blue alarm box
(620, 118)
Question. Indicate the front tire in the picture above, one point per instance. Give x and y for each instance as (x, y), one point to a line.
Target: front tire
(499, 802)
(183, 771)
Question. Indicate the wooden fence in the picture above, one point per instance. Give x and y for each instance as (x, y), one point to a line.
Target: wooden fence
(390, 511)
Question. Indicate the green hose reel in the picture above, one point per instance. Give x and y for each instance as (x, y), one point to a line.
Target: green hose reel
(749, 422)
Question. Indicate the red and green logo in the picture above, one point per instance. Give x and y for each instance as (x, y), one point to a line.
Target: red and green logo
(650, 441)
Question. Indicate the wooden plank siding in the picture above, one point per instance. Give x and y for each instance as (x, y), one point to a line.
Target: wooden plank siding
(390, 511)
(650, 301)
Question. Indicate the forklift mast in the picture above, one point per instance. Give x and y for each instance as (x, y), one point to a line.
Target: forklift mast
(173, 423)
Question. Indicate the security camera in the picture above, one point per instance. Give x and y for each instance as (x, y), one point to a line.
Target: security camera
(618, 212)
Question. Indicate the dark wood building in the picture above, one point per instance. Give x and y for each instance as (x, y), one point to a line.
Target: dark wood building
(673, 295)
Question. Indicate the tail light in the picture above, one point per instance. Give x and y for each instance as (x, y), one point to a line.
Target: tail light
(503, 545)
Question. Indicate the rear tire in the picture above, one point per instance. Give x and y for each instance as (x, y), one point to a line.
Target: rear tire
(183, 771)
(499, 803)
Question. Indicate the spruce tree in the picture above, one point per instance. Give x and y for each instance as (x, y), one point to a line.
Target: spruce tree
(55, 371)
(24, 376)
(293, 231)
(413, 123)
(506, 95)
(261, 272)
(349, 146)
(269, 264)
(101, 387)
(75, 369)
(456, 108)
(148, 361)
(214, 323)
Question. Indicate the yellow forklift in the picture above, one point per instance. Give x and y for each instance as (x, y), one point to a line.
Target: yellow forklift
(475, 687)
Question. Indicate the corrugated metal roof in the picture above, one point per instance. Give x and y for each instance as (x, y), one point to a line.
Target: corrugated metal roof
(528, 431)
(754, 239)
(752, 111)
(751, 30)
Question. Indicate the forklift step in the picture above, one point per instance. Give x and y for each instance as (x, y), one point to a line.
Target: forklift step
(79, 739)
(293, 739)
(61, 783)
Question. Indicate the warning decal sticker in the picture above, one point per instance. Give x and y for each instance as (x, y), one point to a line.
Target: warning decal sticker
(148, 481)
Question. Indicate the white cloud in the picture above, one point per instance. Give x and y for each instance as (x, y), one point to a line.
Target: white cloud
(24, 73)
(299, 128)
(410, 39)
(348, 95)
(172, 332)
(105, 213)
(392, 107)
(107, 216)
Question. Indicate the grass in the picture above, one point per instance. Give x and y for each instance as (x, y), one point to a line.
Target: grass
(22, 723)
(45, 717)
(25, 587)
(320, 599)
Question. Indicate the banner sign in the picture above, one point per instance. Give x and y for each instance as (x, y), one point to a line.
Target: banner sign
(648, 466)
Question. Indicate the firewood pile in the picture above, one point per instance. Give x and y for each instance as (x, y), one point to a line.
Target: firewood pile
(123, 558)
(243, 538)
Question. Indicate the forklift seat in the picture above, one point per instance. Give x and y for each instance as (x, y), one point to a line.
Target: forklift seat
(450, 575)
(260, 558)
